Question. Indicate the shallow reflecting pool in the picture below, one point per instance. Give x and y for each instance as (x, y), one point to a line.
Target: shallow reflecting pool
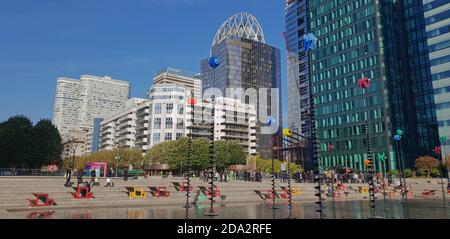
(412, 209)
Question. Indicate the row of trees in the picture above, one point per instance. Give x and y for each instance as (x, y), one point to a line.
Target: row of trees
(24, 145)
(265, 166)
(425, 166)
(120, 158)
(176, 154)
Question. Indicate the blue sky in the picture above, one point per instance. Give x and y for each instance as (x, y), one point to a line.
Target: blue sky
(126, 39)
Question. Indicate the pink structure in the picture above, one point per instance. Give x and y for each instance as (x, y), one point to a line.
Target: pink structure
(97, 167)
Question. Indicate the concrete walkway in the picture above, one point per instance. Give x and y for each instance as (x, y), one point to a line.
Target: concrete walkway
(14, 192)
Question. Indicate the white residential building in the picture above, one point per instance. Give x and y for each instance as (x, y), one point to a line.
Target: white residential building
(168, 114)
(78, 102)
(234, 121)
(190, 81)
(119, 129)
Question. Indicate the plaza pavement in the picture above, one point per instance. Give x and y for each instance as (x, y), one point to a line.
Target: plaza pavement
(14, 192)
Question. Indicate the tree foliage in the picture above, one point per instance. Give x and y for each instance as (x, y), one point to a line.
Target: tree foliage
(27, 146)
(426, 165)
(125, 158)
(265, 165)
(46, 145)
(176, 154)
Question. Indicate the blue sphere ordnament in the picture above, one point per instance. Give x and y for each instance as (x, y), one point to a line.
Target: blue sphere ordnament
(397, 137)
(272, 121)
(214, 62)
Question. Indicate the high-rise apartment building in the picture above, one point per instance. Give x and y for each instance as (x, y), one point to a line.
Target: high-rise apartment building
(190, 81)
(384, 41)
(437, 20)
(78, 102)
(121, 130)
(165, 116)
(234, 122)
(247, 63)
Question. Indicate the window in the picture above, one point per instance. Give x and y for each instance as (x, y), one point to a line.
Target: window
(169, 108)
(157, 123)
(180, 109)
(180, 124)
(156, 138)
(169, 123)
(158, 108)
(168, 137)
(178, 136)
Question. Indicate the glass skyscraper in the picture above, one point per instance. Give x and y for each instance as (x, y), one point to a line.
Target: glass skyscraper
(246, 62)
(298, 65)
(437, 20)
(386, 42)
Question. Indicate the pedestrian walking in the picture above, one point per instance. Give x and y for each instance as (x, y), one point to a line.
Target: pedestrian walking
(68, 177)
(109, 174)
(125, 175)
(93, 178)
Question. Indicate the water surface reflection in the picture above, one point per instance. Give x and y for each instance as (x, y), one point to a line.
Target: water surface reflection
(412, 209)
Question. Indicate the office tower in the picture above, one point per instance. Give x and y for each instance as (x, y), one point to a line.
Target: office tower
(78, 102)
(384, 41)
(186, 79)
(437, 20)
(246, 62)
(297, 65)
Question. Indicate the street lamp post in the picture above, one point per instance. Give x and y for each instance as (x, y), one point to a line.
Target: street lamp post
(117, 159)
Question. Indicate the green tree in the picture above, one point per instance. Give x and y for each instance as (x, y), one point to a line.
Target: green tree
(16, 140)
(265, 165)
(408, 173)
(127, 157)
(228, 153)
(393, 172)
(46, 144)
(176, 154)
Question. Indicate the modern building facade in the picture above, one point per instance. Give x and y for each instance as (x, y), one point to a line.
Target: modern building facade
(247, 63)
(190, 81)
(165, 116)
(120, 130)
(78, 102)
(437, 20)
(297, 65)
(234, 122)
(384, 41)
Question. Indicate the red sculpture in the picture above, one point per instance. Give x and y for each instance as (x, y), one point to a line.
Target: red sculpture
(330, 148)
(437, 150)
(364, 83)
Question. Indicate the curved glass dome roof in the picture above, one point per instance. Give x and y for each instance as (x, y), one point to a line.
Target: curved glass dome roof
(241, 24)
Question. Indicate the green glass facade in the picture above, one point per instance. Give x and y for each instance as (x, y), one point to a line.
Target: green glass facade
(360, 38)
